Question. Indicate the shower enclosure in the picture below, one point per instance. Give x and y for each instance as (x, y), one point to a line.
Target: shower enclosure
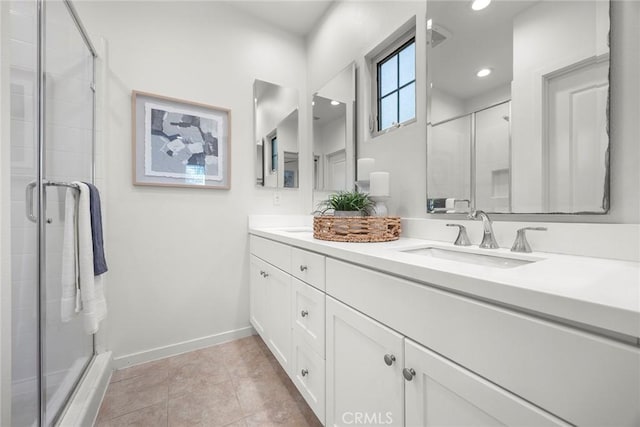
(52, 143)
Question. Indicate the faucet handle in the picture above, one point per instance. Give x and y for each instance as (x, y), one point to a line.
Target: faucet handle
(463, 238)
(521, 244)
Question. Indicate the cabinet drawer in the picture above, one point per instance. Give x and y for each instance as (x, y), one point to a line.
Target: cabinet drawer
(274, 253)
(308, 267)
(308, 314)
(309, 375)
(580, 377)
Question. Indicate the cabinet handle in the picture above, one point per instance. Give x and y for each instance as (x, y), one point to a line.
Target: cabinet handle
(304, 372)
(304, 313)
(408, 374)
(389, 359)
(303, 268)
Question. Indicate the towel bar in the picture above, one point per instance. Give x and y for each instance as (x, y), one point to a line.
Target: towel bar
(29, 194)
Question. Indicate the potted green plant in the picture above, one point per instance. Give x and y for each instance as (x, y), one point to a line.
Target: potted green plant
(347, 203)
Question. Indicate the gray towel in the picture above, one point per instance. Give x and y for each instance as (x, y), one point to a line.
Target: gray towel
(99, 262)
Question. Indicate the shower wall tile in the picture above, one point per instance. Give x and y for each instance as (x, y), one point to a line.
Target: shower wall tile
(23, 55)
(22, 26)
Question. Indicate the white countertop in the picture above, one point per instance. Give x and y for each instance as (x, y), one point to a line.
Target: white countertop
(593, 291)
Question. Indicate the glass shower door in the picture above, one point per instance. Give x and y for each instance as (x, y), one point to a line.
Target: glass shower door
(52, 121)
(68, 140)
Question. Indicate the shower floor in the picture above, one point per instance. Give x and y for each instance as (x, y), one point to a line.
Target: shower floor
(238, 383)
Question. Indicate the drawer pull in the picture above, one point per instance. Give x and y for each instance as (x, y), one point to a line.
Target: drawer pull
(304, 372)
(389, 359)
(304, 313)
(408, 374)
(303, 268)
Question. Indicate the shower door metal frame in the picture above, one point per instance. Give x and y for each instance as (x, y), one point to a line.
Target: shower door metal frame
(41, 192)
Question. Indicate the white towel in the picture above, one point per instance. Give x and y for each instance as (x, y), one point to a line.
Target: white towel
(81, 290)
(70, 301)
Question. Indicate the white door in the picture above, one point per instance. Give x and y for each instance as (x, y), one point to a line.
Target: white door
(258, 294)
(279, 323)
(439, 392)
(364, 370)
(337, 171)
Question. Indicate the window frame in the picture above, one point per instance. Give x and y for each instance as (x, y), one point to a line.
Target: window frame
(394, 48)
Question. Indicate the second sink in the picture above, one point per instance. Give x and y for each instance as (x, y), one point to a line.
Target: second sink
(493, 260)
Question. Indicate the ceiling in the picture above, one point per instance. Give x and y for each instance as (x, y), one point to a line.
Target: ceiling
(294, 16)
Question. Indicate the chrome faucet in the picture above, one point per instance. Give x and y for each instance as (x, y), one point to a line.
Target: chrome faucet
(488, 239)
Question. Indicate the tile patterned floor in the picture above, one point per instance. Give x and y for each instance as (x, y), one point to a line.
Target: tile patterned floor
(238, 383)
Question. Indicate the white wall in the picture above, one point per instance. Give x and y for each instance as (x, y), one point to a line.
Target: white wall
(178, 258)
(350, 31)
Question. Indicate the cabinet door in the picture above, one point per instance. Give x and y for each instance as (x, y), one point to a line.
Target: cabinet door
(258, 295)
(279, 324)
(362, 387)
(439, 392)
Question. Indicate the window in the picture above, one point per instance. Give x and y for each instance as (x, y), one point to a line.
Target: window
(396, 84)
(274, 153)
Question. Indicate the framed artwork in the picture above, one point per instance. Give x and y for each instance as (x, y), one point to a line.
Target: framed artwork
(179, 143)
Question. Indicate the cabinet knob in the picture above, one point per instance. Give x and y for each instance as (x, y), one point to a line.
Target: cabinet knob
(262, 273)
(265, 275)
(303, 268)
(389, 359)
(304, 372)
(304, 313)
(408, 374)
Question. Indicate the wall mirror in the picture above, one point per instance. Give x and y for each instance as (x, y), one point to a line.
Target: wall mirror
(334, 134)
(518, 107)
(276, 135)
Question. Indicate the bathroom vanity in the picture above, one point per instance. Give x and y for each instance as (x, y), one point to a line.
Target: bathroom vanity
(391, 334)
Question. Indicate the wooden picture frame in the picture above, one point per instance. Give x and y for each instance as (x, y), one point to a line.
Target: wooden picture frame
(178, 143)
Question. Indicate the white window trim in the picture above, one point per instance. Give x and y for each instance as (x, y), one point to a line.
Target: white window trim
(391, 46)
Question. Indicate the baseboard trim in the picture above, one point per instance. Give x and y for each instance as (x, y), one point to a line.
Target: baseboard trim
(181, 347)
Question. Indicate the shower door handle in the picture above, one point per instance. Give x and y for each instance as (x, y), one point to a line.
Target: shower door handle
(29, 201)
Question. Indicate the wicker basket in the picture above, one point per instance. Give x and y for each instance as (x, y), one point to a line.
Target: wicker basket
(360, 229)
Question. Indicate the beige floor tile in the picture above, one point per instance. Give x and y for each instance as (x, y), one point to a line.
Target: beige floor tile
(133, 394)
(211, 405)
(200, 371)
(236, 348)
(257, 392)
(139, 370)
(277, 414)
(251, 363)
(155, 415)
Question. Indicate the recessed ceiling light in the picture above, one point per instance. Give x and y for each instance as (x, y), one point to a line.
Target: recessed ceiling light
(480, 4)
(429, 24)
(313, 103)
(484, 72)
(335, 103)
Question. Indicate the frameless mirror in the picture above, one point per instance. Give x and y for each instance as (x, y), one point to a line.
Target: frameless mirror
(276, 135)
(518, 106)
(334, 133)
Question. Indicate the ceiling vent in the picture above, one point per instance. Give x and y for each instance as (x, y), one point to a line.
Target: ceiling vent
(438, 35)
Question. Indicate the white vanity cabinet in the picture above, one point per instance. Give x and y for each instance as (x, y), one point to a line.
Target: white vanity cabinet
(289, 314)
(364, 370)
(371, 348)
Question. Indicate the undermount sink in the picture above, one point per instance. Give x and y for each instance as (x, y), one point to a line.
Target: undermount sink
(488, 260)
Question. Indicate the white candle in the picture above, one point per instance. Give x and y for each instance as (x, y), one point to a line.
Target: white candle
(365, 167)
(379, 184)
